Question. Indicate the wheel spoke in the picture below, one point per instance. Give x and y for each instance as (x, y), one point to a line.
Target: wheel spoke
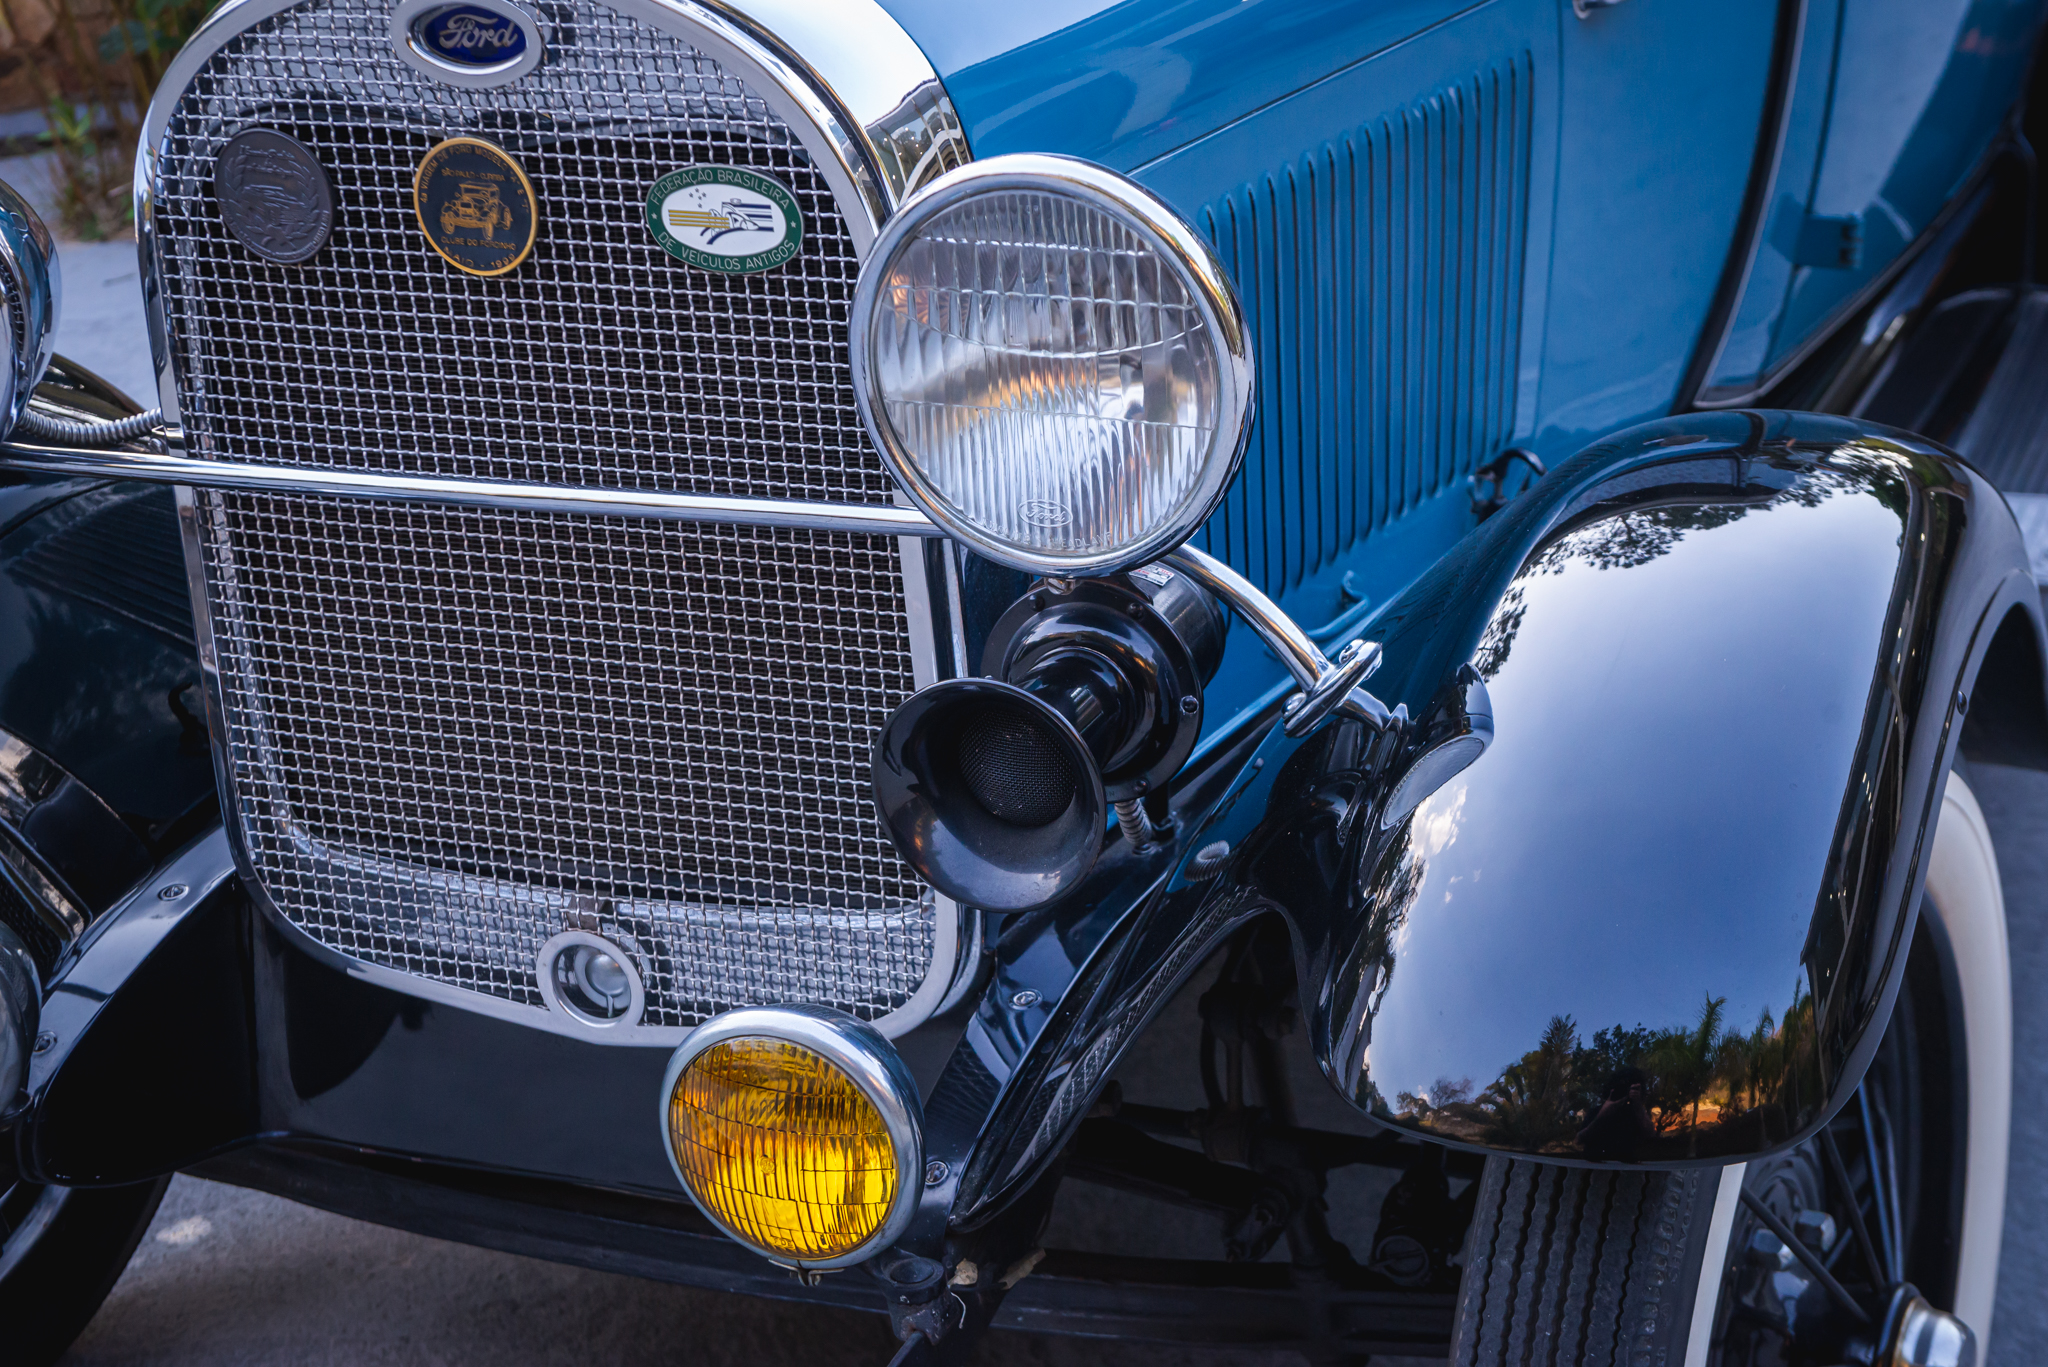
(1889, 1188)
(1807, 1257)
(1885, 1229)
(1857, 1226)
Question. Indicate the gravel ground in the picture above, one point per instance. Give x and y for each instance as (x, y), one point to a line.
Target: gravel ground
(230, 1278)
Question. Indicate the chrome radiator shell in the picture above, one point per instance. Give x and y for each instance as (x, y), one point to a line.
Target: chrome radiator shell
(445, 734)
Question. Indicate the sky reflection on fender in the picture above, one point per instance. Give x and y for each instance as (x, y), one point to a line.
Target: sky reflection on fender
(1605, 654)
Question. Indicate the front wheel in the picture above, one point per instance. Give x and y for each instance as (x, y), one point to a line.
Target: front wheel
(1900, 1197)
(62, 1249)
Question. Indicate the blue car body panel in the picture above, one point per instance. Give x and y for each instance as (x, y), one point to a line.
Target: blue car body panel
(1892, 111)
(1455, 229)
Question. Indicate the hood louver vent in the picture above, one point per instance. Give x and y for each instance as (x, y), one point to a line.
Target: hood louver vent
(1382, 274)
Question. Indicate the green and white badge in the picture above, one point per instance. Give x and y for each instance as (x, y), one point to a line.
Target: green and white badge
(725, 218)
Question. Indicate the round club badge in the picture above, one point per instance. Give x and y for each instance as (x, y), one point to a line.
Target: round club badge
(475, 206)
(725, 218)
(274, 196)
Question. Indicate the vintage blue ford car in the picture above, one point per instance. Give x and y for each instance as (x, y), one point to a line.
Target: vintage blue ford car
(1282, 672)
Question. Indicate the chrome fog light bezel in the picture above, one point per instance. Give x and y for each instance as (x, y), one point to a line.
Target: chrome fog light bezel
(1178, 245)
(865, 1056)
(33, 296)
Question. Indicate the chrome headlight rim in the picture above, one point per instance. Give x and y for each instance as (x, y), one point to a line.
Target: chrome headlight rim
(865, 1056)
(1177, 244)
(28, 256)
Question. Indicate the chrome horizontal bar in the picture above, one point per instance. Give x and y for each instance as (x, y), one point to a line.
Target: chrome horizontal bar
(1304, 659)
(161, 468)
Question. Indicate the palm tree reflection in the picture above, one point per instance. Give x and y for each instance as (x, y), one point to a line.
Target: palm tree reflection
(1635, 1092)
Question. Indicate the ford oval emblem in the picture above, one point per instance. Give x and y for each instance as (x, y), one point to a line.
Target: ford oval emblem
(1043, 512)
(472, 42)
(470, 35)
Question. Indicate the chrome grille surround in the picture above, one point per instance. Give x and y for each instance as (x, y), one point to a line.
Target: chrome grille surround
(450, 733)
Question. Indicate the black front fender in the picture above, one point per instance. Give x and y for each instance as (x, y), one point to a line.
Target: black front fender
(1728, 657)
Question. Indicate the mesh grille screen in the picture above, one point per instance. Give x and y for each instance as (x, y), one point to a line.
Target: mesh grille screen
(601, 360)
(19, 915)
(458, 732)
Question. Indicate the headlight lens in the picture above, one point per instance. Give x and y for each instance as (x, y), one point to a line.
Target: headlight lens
(803, 1148)
(1053, 363)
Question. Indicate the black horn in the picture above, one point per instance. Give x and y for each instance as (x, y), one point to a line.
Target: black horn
(997, 789)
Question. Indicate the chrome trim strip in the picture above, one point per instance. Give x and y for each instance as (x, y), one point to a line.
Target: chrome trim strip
(874, 70)
(159, 467)
(1756, 204)
(441, 994)
(873, 1064)
(1303, 657)
(1941, 235)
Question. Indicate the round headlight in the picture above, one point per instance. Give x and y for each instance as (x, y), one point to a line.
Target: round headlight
(797, 1131)
(1053, 363)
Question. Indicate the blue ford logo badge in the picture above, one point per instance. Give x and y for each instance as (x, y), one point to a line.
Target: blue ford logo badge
(468, 42)
(470, 35)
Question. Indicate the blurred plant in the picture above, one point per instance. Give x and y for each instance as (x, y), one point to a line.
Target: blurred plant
(1686, 1063)
(96, 62)
(1530, 1104)
(150, 33)
(91, 180)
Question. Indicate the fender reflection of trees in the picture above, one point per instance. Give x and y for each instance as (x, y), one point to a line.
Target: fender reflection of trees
(1392, 896)
(1697, 1076)
(1743, 1084)
(1632, 537)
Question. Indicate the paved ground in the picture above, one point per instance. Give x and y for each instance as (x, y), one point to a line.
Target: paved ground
(101, 327)
(229, 1278)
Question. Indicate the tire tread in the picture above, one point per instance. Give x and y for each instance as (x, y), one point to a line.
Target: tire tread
(1576, 1267)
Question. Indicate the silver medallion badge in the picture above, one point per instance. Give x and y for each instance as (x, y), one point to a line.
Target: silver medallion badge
(274, 196)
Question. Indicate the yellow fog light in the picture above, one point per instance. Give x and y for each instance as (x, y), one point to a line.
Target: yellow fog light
(797, 1131)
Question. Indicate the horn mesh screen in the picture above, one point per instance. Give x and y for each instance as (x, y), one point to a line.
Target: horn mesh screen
(1015, 769)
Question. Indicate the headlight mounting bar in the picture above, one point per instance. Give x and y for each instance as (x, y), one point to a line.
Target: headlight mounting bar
(1312, 669)
(158, 467)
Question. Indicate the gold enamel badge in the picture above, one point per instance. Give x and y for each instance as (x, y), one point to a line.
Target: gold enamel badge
(476, 206)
